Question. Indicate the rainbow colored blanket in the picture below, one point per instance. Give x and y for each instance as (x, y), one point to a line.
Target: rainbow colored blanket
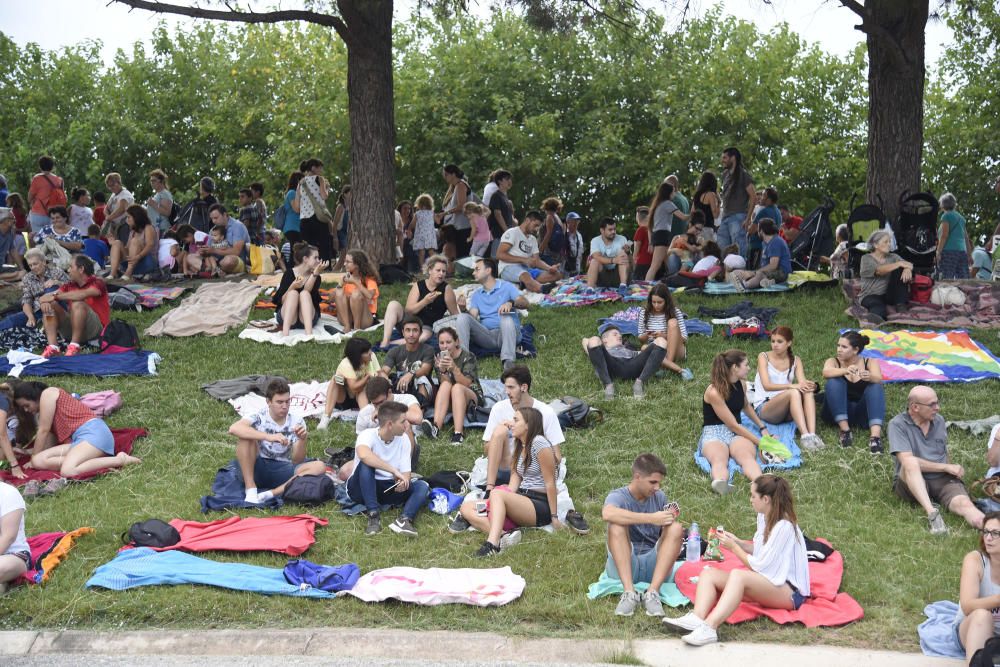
(930, 356)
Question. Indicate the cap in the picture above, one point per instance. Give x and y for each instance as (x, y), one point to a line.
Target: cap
(572, 215)
(5, 213)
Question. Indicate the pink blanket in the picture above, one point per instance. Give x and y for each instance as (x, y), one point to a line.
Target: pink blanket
(434, 586)
(826, 607)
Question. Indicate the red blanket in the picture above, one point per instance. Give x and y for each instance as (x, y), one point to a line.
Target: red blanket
(124, 438)
(291, 535)
(47, 551)
(825, 607)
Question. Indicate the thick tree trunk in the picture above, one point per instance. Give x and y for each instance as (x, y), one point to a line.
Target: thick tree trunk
(895, 35)
(373, 126)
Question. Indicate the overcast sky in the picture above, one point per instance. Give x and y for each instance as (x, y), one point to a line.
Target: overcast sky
(56, 23)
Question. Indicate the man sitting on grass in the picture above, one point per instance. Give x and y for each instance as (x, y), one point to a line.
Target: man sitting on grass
(79, 310)
(644, 536)
(271, 446)
(409, 365)
(519, 256)
(775, 263)
(492, 320)
(379, 391)
(609, 264)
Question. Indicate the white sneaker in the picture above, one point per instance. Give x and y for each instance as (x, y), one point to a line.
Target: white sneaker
(252, 497)
(721, 486)
(687, 622)
(701, 635)
(509, 540)
(767, 282)
(324, 422)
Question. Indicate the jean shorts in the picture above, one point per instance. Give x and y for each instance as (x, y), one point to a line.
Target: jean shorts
(512, 272)
(95, 432)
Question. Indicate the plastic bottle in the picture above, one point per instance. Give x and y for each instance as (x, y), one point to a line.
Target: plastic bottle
(693, 543)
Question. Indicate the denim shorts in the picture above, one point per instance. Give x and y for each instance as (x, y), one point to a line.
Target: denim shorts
(718, 432)
(271, 473)
(512, 272)
(797, 598)
(95, 432)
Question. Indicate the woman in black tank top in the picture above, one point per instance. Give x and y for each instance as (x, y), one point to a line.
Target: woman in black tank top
(430, 299)
(853, 393)
(722, 435)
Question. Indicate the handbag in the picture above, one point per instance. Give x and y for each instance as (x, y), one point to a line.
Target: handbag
(991, 486)
(319, 207)
(261, 260)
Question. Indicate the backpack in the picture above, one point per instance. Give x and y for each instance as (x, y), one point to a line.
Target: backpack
(279, 216)
(575, 413)
(453, 480)
(306, 574)
(921, 288)
(57, 195)
(118, 336)
(122, 298)
(152, 533)
(309, 490)
(174, 210)
(103, 403)
(988, 655)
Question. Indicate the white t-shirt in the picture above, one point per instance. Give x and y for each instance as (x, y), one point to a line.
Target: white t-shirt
(489, 191)
(989, 444)
(705, 264)
(81, 218)
(395, 453)
(367, 416)
(113, 200)
(269, 449)
(521, 245)
(166, 260)
(11, 501)
(503, 410)
(734, 262)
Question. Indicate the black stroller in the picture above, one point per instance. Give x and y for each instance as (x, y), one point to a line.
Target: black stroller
(815, 238)
(916, 230)
(863, 221)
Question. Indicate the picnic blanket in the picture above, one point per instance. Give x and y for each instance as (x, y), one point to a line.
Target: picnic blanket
(134, 362)
(795, 280)
(742, 309)
(153, 297)
(627, 321)
(472, 586)
(212, 310)
(146, 567)
(235, 387)
(124, 440)
(228, 492)
(273, 334)
(937, 634)
(307, 400)
(327, 304)
(930, 356)
(669, 593)
(291, 535)
(826, 607)
(47, 551)
(980, 311)
(274, 279)
(783, 432)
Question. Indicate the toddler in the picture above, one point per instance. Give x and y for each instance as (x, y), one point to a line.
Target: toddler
(424, 235)
(479, 231)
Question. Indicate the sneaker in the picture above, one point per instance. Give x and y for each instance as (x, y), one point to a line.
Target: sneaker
(459, 525)
(374, 523)
(875, 445)
(846, 439)
(721, 486)
(627, 603)
(50, 351)
(488, 549)
(687, 622)
(766, 282)
(609, 392)
(72, 349)
(937, 523)
(429, 429)
(638, 391)
(812, 442)
(511, 539)
(403, 526)
(324, 423)
(31, 489)
(53, 486)
(686, 374)
(737, 282)
(457, 438)
(576, 523)
(651, 602)
(701, 636)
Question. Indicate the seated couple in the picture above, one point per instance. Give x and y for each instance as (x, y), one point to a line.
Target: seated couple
(77, 310)
(522, 446)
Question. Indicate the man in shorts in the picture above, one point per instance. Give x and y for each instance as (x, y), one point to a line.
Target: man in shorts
(644, 536)
(518, 255)
(271, 446)
(79, 310)
(918, 440)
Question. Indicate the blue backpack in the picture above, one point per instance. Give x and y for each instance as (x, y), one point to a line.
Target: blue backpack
(279, 216)
(306, 574)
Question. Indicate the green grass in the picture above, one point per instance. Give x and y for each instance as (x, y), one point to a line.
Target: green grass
(893, 566)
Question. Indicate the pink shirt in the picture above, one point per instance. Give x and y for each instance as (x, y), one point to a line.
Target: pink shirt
(482, 228)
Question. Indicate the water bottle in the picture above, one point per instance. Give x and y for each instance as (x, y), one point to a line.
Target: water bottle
(693, 543)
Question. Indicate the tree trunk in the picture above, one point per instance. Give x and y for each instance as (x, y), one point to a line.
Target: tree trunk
(895, 36)
(373, 127)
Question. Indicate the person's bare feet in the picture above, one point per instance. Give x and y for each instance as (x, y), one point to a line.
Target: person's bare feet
(128, 459)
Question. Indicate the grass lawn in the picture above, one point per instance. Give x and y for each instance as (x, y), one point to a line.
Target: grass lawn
(893, 565)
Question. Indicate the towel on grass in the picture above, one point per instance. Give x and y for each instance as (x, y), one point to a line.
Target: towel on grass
(576, 292)
(783, 432)
(307, 400)
(228, 492)
(47, 551)
(236, 387)
(291, 535)
(296, 336)
(717, 289)
(434, 586)
(669, 593)
(153, 297)
(133, 362)
(930, 356)
(146, 567)
(124, 439)
(937, 634)
(212, 310)
(826, 606)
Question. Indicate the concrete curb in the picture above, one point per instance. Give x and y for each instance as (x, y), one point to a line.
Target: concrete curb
(436, 646)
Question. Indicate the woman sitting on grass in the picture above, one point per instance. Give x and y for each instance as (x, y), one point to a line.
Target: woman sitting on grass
(357, 298)
(778, 569)
(854, 392)
(530, 498)
(346, 390)
(781, 391)
(661, 319)
(430, 299)
(141, 255)
(978, 617)
(69, 438)
(297, 298)
(457, 373)
(15, 554)
(722, 435)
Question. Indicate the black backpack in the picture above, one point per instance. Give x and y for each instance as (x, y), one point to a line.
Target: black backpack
(152, 533)
(118, 336)
(576, 413)
(988, 655)
(122, 298)
(309, 490)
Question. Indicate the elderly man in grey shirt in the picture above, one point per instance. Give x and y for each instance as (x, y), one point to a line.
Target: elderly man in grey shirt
(918, 440)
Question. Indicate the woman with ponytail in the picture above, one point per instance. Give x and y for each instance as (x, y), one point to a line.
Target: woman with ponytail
(781, 391)
(297, 298)
(722, 435)
(854, 392)
(777, 574)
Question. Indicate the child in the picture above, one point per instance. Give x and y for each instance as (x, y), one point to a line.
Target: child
(662, 319)
(732, 260)
(680, 256)
(839, 257)
(168, 251)
(100, 202)
(643, 255)
(94, 246)
(272, 241)
(16, 205)
(424, 236)
(479, 231)
(250, 216)
(217, 240)
(80, 216)
(574, 244)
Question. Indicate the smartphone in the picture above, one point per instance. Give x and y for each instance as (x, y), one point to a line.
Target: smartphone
(481, 506)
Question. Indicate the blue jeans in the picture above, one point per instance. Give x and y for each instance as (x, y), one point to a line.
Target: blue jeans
(364, 488)
(869, 411)
(731, 231)
(18, 319)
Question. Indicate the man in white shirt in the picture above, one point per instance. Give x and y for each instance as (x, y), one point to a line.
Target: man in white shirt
(518, 255)
(378, 390)
(610, 264)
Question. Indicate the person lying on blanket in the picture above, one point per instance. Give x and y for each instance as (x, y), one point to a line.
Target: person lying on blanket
(723, 437)
(15, 554)
(662, 320)
(978, 617)
(775, 263)
(781, 391)
(346, 389)
(271, 446)
(69, 438)
(778, 569)
(644, 536)
(854, 395)
(612, 360)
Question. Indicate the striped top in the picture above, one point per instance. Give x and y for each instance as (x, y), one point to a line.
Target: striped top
(658, 323)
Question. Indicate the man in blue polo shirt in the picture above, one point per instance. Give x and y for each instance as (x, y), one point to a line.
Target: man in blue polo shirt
(492, 321)
(235, 258)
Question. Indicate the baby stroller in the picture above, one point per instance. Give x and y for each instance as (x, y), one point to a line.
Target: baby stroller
(863, 221)
(916, 230)
(815, 238)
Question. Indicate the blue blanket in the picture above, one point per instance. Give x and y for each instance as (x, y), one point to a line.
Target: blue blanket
(783, 432)
(937, 634)
(228, 492)
(136, 362)
(145, 567)
(726, 288)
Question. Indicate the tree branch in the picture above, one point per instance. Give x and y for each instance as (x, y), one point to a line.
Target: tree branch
(318, 18)
(870, 27)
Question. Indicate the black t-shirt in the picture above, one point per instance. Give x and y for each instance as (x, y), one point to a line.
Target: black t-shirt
(500, 207)
(436, 309)
(286, 281)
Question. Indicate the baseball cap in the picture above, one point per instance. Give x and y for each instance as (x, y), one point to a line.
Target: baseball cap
(572, 215)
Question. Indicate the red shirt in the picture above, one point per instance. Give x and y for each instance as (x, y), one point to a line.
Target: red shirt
(791, 222)
(70, 415)
(99, 215)
(641, 239)
(99, 304)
